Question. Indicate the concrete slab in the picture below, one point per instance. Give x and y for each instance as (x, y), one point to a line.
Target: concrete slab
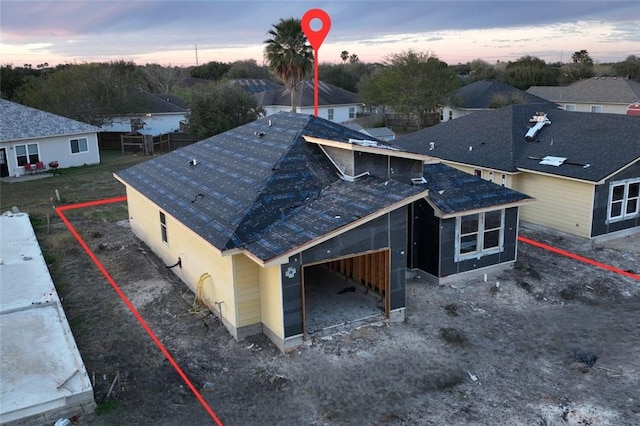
(42, 376)
(328, 305)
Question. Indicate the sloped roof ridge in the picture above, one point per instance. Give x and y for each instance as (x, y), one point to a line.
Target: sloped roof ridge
(246, 230)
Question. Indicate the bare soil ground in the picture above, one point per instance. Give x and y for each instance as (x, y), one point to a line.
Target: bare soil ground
(515, 349)
(556, 342)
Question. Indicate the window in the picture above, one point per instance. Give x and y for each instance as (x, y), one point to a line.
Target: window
(330, 114)
(570, 107)
(27, 154)
(504, 180)
(624, 200)
(163, 228)
(596, 108)
(450, 114)
(479, 234)
(490, 178)
(352, 112)
(477, 172)
(79, 145)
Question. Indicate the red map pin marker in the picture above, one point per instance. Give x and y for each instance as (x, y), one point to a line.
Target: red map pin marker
(315, 39)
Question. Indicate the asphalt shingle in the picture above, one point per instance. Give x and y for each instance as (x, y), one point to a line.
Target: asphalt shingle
(22, 122)
(495, 139)
(261, 186)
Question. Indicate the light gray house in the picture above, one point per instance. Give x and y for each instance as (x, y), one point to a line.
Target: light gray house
(156, 114)
(334, 103)
(614, 95)
(30, 137)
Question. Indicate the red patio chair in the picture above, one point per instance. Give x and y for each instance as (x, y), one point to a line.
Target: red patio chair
(28, 168)
(40, 166)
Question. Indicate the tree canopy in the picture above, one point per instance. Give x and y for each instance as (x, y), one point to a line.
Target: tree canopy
(412, 82)
(289, 54)
(218, 108)
(84, 92)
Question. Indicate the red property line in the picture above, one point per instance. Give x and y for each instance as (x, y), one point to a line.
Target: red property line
(579, 258)
(124, 298)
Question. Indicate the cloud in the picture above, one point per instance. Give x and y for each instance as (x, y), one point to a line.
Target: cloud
(116, 28)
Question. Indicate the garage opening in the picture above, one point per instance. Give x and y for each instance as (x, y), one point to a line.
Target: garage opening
(345, 291)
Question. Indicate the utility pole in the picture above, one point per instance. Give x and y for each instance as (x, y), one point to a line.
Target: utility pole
(196, 55)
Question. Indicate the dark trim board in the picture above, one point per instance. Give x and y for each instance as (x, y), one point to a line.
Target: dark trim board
(599, 225)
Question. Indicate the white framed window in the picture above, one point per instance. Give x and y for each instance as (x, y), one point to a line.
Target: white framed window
(330, 114)
(504, 180)
(163, 228)
(78, 146)
(490, 177)
(352, 112)
(450, 114)
(596, 108)
(569, 107)
(27, 153)
(624, 200)
(479, 234)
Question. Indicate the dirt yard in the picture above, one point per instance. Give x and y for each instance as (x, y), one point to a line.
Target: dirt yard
(550, 342)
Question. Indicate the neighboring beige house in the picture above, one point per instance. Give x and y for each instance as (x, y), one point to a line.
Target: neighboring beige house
(614, 95)
(482, 95)
(29, 137)
(583, 169)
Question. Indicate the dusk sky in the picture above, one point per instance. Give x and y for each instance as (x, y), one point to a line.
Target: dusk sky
(167, 32)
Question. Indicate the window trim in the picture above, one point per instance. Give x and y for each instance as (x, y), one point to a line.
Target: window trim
(352, 112)
(163, 229)
(595, 107)
(570, 107)
(481, 231)
(330, 114)
(27, 155)
(80, 152)
(624, 201)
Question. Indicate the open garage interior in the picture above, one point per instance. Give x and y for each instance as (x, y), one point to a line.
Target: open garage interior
(345, 291)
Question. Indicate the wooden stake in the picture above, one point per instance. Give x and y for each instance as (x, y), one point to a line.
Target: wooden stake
(115, 379)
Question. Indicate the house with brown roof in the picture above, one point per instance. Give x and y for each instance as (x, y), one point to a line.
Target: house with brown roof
(614, 95)
(583, 169)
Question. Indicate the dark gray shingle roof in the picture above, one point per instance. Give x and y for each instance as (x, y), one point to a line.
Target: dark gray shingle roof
(596, 90)
(487, 93)
(22, 122)
(453, 191)
(328, 94)
(495, 139)
(262, 188)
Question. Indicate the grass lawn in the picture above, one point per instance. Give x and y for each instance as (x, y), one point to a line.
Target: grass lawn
(74, 185)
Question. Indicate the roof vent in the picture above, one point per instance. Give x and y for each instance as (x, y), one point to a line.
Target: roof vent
(432, 145)
(259, 134)
(541, 120)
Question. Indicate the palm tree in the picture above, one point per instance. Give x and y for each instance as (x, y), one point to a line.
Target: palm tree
(288, 54)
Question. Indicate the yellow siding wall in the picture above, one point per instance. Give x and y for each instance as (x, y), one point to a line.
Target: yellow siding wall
(561, 204)
(496, 175)
(198, 257)
(247, 279)
(271, 300)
